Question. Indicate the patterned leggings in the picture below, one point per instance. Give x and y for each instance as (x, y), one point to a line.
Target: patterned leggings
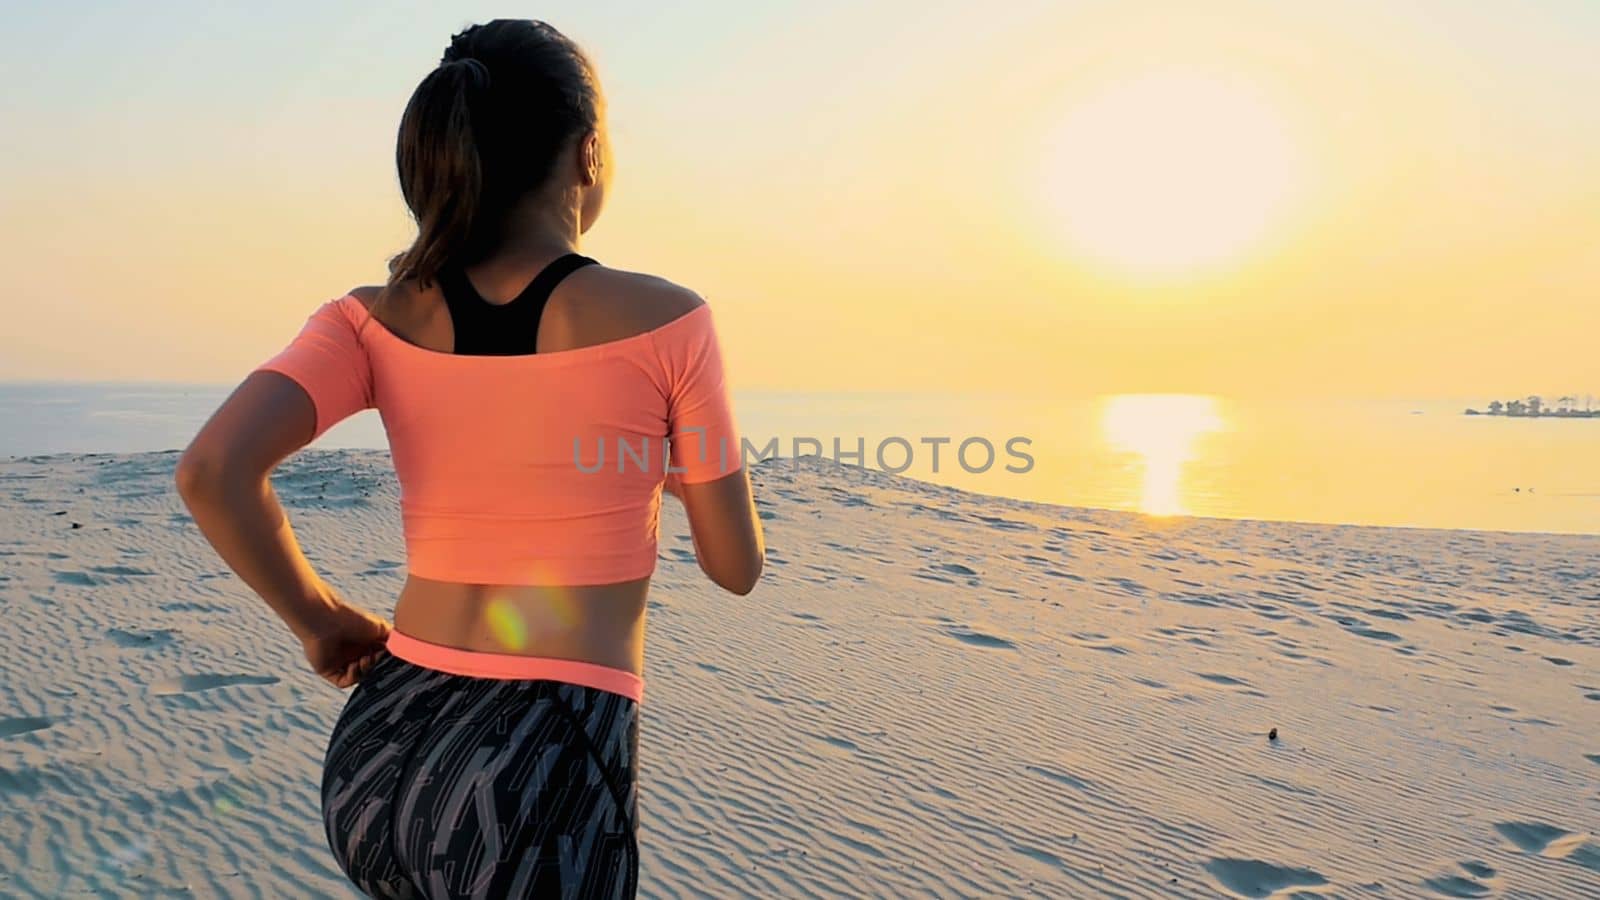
(443, 786)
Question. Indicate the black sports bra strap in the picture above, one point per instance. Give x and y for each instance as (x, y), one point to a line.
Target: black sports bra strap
(544, 284)
(506, 329)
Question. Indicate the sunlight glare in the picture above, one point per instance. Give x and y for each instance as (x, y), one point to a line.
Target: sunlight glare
(1161, 429)
(1170, 171)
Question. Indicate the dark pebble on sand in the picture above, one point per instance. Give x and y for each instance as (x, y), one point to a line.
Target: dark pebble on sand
(77, 524)
(1272, 735)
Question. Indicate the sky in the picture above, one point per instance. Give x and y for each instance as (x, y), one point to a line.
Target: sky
(1246, 198)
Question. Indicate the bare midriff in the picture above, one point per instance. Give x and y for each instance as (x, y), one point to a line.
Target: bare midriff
(598, 624)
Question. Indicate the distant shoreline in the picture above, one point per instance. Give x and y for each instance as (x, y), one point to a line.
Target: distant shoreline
(1540, 414)
(1534, 407)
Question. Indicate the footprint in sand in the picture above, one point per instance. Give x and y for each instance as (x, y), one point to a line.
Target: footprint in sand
(1532, 837)
(1456, 886)
(188, 684)
(24, 725)
(1587, 855)
(1478, 869)
(1254, 878)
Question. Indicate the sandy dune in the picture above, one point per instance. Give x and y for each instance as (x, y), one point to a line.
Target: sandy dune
(931, 694)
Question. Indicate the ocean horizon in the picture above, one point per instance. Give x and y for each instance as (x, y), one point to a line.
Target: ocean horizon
(1384, 462)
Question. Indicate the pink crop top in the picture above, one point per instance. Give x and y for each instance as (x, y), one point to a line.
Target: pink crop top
(537, 469)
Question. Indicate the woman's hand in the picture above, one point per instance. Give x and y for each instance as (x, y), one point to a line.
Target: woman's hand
(346, 645)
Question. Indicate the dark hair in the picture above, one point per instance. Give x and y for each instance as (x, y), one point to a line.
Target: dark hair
(481, 131)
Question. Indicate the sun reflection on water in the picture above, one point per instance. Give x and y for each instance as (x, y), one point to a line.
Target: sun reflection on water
(1160, 429)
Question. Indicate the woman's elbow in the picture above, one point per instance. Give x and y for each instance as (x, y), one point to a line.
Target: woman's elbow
(740, 579)
(194, 476)
(202, 474)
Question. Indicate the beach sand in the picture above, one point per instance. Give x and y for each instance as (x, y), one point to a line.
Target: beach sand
(931, 693)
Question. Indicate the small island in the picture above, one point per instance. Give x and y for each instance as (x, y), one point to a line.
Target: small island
(1534, 407)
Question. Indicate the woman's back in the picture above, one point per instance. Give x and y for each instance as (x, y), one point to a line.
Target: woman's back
(531, 484)
(535, 468)
(530, 397)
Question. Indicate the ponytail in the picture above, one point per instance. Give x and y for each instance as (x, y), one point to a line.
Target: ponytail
(441, 170)
(468, 153)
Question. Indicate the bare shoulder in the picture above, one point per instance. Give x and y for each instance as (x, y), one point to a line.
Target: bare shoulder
(368, 294)
(648, 298)
(597, 304)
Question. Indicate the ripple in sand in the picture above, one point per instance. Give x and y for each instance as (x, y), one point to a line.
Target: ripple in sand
(121, 571)
(1254, 878)
(1456, 886)
(1229, 680)
(188, 684)
(1071, 781)
(1101, 642)
(156, 638)
(24, 724)
(979, 638)
(188, 607)
(839, 743)
(76, 579)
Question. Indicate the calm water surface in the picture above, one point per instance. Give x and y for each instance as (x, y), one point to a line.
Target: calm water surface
(1416, 463)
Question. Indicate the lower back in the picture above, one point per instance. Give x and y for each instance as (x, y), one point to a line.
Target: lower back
(600, 624)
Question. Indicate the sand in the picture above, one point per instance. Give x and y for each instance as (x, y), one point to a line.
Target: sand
(931, 693)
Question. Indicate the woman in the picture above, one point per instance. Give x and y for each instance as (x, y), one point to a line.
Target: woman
(537, 406)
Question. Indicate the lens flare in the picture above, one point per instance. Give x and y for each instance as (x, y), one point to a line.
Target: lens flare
(507, 624)
(230, 800)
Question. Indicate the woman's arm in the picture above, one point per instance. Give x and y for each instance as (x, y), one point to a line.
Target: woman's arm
(223, 479)
(725, 529)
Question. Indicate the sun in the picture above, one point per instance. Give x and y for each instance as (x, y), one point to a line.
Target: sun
(1170, 172)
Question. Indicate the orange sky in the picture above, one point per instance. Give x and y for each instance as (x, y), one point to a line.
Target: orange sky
(1067, 198)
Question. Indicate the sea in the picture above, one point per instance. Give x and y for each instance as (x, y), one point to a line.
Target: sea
(1407, 463)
